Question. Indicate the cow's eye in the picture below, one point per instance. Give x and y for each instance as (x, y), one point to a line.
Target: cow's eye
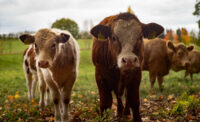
(35, 46)
(53, 45)
(179, 53)
(114, 38)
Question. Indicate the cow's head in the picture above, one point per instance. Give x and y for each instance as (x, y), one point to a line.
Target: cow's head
(46, 45)
(125, 37)
(179, 56)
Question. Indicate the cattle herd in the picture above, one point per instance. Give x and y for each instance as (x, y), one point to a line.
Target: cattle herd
(122, 47)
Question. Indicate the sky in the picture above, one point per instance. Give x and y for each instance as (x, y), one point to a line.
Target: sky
(32, 15)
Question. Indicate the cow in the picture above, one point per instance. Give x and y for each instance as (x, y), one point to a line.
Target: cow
(57, 56)
(160, 56)
(194, 67)
(32, 75)
(117, 53)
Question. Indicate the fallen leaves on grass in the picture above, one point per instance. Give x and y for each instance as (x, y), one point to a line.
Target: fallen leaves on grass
(85, 107)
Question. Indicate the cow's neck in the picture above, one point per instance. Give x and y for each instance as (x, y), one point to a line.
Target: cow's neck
(170, 57)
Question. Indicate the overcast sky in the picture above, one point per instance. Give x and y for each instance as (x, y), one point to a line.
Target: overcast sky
(20, 15)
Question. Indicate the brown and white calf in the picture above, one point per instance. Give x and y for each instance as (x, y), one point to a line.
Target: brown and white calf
(57, 56)
(30, 71)
(117, 54)
(194, 67)
(160, 56)
(32, 75)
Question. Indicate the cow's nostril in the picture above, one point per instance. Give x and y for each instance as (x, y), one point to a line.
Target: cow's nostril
(123, 60)
(46, 63)
(39, 64)
(135, 60)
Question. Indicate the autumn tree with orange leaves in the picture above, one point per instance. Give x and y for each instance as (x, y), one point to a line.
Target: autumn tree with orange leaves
(170, 35)
(185, 36)
(181, 35)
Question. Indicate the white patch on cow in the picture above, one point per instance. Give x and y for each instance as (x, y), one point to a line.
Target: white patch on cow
(128, 33)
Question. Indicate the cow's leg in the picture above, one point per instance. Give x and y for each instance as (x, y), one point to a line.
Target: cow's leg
(65, 95)
(191, 76)
(105, 99)
(186, 74)
(29, 79)
(152, 80)
(34, 84)
(56, 99)
(42, 88)
(120, 106)
(47, 96)
(160, 81)
(104, 91)
(134, 102)
(127, 107)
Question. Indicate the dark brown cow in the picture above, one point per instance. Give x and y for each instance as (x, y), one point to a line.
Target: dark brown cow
(117, 54)
(194, 67)
(160, 56)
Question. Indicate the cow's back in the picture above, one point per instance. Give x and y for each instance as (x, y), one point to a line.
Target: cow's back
(194, 57)
(156, 57)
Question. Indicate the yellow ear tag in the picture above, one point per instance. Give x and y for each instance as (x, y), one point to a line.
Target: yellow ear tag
(101, 37)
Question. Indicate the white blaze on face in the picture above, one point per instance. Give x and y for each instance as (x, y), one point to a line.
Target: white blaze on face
(128, 33)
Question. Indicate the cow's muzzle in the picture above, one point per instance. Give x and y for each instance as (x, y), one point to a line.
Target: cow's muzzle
(43, 64)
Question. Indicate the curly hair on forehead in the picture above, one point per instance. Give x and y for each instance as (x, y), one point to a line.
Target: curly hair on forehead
(181, 46)
(127, 16)
(45, 34)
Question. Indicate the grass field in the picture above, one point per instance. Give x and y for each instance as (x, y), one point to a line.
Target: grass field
(84, 102)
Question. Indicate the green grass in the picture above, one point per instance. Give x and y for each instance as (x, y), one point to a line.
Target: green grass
(85, 92)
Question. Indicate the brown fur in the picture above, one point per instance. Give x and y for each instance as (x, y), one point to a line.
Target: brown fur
(159, 58)
(31, 55)
(194, 57)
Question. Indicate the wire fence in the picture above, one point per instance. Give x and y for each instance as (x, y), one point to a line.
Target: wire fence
(15, 46)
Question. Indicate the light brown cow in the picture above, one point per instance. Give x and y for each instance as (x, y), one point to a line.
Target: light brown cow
(160, 56)
(194, 67)
(32, 75)
(57, 55)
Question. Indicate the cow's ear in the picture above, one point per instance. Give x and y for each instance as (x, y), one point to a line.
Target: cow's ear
(101, 32)
(190, 48)
(63, 38)
(27, 38)
(152, 30)
(171, 46)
